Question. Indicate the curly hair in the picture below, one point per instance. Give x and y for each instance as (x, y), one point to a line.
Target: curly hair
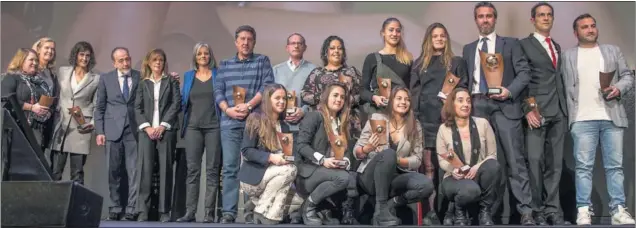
(325, 49)
(82, 46)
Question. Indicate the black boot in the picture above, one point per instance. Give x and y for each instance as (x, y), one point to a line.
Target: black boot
(295, 218)
(450, 214)
(248, 212)
(395, 202)
(188, 217)
(485, 218)
(382, 215)
(460, 217)
(348, 213)
(260, 219)
(309, 213)
(209, 216)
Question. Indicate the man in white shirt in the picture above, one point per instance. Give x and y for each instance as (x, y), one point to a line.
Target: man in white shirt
(601, 115)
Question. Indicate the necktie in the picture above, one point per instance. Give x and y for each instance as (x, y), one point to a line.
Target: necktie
(483, 85)
(554, 60)
(126, 89)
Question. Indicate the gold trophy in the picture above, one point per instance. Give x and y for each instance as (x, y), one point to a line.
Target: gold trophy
(46, 101)
(287, 143)
(379, 127)
(238, 93)
(450, 82)
(78, 116)
(291, 102)
(605, 79)
(338, 146)
(384, 87)
(452, 158)
(493, 67)
(534, 108)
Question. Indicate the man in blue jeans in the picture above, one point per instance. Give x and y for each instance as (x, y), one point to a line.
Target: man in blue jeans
(600, 115)
(251, 72)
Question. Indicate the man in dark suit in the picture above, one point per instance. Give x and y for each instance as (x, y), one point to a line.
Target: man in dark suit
(545, 116)
(116, 128)
(503, 110)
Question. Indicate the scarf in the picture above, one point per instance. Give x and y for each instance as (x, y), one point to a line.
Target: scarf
(474, 142)
(32, 82)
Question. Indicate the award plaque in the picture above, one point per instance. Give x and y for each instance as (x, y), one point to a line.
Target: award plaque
(291, 102)
(452, 158)
(493, 67)
(287, 144)
(78, 116)
(450, 82)
(384, 87)
(239, 95)
(379, 127)
(605, 79)
(46, 101)
(534, 108)
(338, 146)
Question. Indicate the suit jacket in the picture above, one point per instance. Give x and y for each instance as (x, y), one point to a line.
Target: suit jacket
(623, 80)
(516, 73)
(255, 157)
(84, 97)
(112, 111)
(546, 82)
(412, 151)
(312, 144)
(169, 102)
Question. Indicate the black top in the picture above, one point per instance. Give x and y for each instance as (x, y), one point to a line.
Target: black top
(27, 90)
(393, 145)
(369, 79)
(201, 105)
(255, 157)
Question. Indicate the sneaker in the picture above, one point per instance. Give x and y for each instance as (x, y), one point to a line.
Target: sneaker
(622, 217)
(584, 217)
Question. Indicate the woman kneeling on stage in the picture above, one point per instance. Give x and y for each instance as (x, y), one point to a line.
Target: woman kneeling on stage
(467, 151)
(390, 150)
(266, 175)
(325, 156)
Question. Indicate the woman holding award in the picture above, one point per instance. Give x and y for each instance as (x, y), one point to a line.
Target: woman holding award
(467, 151)
(390, 149)
(433, 76)
(268, 170)
(324, 156)
(73, 117)
(29, 88)
(45, 47)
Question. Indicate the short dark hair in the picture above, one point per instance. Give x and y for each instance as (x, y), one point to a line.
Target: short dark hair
(533, 11)
(297, 34)
(484, 4)
(80, 47)
(245, 28)
(112, 54)
(581, 17)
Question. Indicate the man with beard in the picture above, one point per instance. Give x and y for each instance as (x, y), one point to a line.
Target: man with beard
(503, 110)
(545, 116)
(602, 115)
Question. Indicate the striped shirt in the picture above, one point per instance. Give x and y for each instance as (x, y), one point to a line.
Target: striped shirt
(252, 74)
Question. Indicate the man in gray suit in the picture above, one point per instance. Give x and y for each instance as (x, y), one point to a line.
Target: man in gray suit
(502, 110)
(601, 115)
(116, 128)
(545, 116)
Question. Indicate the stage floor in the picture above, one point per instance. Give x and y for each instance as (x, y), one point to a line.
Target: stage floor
(116, 224)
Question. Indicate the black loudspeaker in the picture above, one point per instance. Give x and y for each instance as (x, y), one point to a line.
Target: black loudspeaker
(49, 204)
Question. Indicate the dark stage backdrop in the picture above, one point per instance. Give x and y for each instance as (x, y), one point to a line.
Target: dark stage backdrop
(177, 26)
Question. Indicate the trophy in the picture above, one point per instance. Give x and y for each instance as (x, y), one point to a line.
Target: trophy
(379, 127)
(338, 146)
(605, 79)
(450, 82)
(291, 102)
(492, 65)
(534, 108)
(452, 158)
(384, 87)
(78, 116)
(287, 143)
(46, 101)
(239, 95)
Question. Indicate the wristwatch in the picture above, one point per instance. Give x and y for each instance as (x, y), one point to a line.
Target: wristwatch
(249, 107)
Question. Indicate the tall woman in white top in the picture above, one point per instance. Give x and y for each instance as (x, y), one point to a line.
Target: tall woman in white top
(77, 87)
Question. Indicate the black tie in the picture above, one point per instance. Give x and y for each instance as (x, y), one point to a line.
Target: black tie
(126, 89)
(483, 85)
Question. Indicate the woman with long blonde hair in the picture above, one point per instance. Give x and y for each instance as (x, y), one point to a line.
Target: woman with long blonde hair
(45, 48)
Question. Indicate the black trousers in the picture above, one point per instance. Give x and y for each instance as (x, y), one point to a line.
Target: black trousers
(162, 152)
(326, 182)
(58, 163)
(510, 153)
(382, 179)
(197, 140)
(545, 157)
(482, 188)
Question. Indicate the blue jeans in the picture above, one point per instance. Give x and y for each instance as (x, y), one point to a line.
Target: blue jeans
(231, 144)
(586, 135)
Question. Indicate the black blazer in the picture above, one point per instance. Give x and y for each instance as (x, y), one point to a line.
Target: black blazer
(312, 137)
(169, 102)
(544, 78)
(516, 73)
(255, 157)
